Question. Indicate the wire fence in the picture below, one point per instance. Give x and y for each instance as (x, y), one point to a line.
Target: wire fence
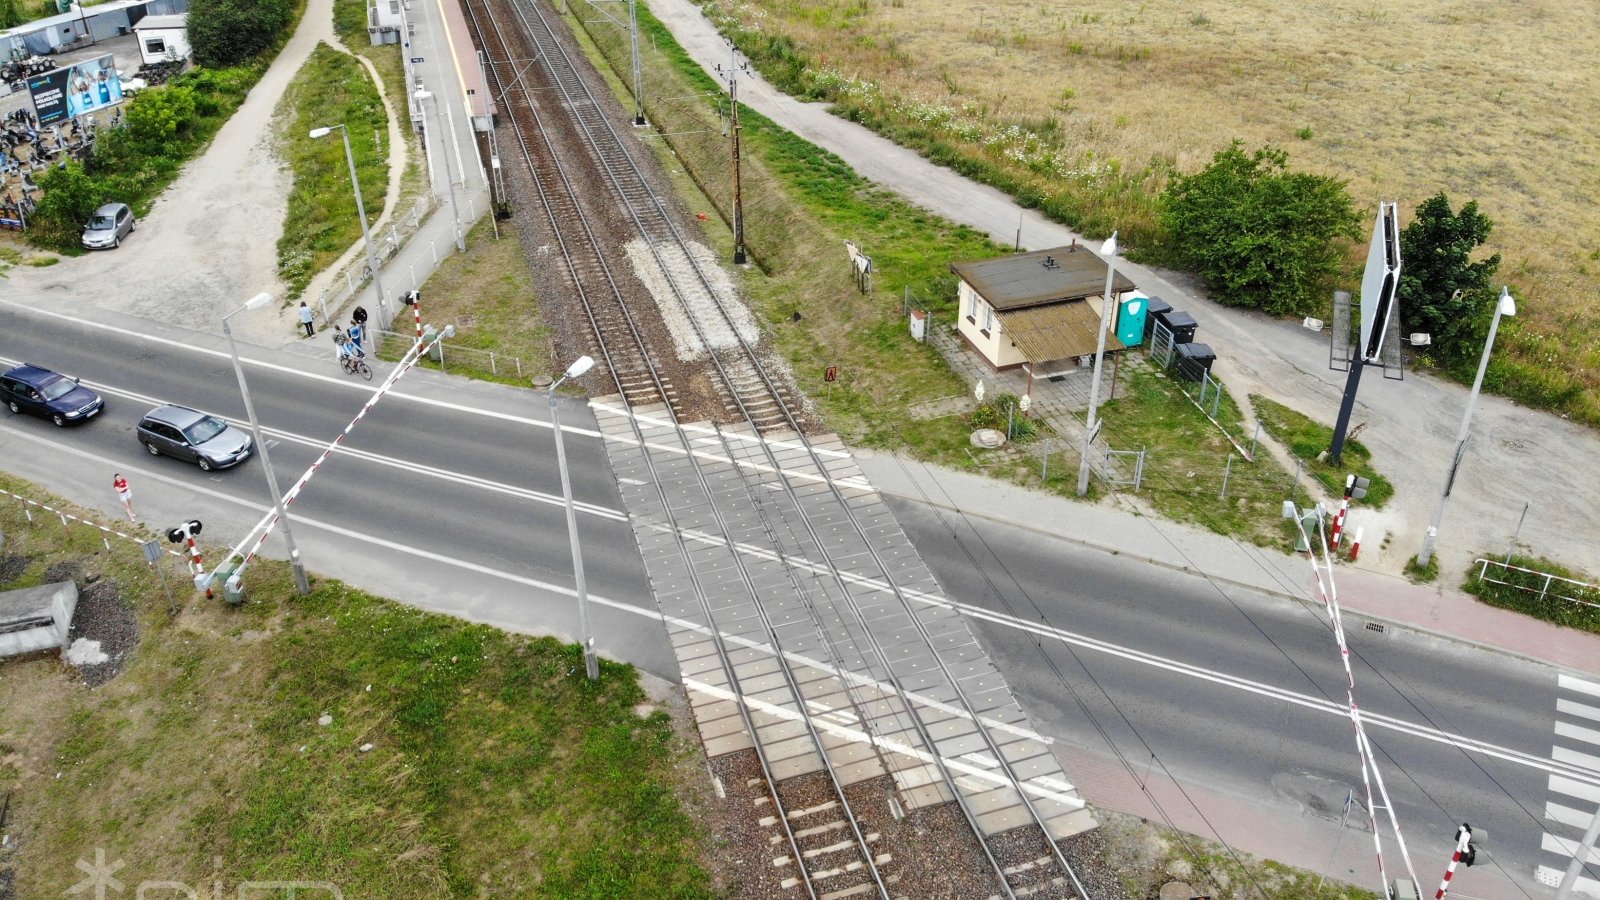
(386, 243)
(450, 356)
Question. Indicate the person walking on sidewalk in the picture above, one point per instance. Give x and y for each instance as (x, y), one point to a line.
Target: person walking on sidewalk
(356, 333)
(306, 320)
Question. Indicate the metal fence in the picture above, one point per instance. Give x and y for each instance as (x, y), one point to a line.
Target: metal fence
(446, 355)
(1542, 584)
(386, 243)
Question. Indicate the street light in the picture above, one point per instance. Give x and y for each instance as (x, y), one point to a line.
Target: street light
(591, 663)
(447, 139)
(361, 209)
(1109, 251)
(1505, 307)
(301, 584)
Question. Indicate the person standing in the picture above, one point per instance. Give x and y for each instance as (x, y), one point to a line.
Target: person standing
(357, 332)
(306, 320)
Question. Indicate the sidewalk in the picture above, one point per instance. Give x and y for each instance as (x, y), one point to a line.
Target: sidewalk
(1389, 599)
(455, 172)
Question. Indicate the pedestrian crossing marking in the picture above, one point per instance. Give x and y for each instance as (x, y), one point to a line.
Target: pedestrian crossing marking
(1574, 708)
(1569, 683)
(1574, 788)
(1587, 735)
(1574, 758)
(1566, 815)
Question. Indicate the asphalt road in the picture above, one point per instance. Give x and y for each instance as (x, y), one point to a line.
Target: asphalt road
(446, 494)
(1168, 679)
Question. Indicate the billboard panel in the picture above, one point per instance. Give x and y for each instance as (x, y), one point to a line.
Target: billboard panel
(1380, 281)
(78, 90)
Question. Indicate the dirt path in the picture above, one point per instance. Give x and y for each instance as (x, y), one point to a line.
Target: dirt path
(210, 241)
(1514, 455)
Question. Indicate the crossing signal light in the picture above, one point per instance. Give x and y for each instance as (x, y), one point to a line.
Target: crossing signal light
(182, 532)
(1355, 487)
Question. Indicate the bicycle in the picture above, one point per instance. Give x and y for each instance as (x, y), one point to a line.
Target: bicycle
(351, 358)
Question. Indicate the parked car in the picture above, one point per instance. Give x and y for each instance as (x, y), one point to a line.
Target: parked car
(193, 435)
(37, 390)
(108, 226)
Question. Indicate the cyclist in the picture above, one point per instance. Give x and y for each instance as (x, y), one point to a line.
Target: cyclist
(349, 350)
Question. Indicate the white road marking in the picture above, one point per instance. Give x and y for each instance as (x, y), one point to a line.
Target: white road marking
(1581, 760)
(1578, 733)
(1581, 710)
(1573, 788)
(1571, 683)
(1566, 815)
(1457, 741)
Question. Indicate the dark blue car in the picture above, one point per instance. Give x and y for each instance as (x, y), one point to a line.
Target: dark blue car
(62, 400)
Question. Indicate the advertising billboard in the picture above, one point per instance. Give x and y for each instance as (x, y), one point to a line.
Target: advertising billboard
(75, 91)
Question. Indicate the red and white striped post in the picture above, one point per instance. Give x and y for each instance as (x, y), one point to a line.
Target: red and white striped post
(415, 299)
(1463, 845)
(1338, 526)
(1355, 546)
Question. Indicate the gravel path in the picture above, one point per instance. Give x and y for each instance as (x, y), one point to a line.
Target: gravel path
(210, 241)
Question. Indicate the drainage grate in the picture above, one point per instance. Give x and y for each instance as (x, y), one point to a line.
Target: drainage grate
(1379, 627)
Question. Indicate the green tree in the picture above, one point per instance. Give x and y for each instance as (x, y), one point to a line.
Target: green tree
(1442, 290)
(68, 197)
(1260, 235)
(229, 32)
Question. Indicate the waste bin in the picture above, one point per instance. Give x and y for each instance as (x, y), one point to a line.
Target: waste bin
(1154, 309)
(1181, 324)
(1194, 360)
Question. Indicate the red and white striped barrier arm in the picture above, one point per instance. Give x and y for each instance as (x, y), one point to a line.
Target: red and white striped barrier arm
(270, 521)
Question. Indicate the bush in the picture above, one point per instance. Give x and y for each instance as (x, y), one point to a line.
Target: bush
(228, 32)
(165, 127)
(1260, 235)
(997, 413)
(1521, 592)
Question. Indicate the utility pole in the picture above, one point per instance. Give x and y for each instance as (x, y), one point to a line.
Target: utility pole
(638, 79)
(731, 74)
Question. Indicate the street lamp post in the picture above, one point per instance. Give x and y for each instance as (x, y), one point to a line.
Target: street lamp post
(1109, 251)
(591, 663)
(1505, 307)
(447, 139)
(361, 210)
(300, 582)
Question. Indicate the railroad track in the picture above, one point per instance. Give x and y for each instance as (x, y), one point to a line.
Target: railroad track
(777, 660)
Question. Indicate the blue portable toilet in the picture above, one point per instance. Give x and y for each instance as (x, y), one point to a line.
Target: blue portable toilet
(1131, 312)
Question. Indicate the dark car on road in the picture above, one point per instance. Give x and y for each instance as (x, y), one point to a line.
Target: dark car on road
(190, 434)
(62, 400)
(108, 226)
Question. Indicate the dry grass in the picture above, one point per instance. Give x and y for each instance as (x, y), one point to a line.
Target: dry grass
(1403, 101)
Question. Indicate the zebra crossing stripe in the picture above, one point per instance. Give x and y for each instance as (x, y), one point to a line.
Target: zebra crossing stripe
(1569, 683)
(1566, 815)
(1573, 788)
(1574, 758)
(1578, 733)
(1582, 710)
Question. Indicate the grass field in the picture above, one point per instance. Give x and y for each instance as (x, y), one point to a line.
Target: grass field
(332, 88)
(1085, 110)
(492, 768)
